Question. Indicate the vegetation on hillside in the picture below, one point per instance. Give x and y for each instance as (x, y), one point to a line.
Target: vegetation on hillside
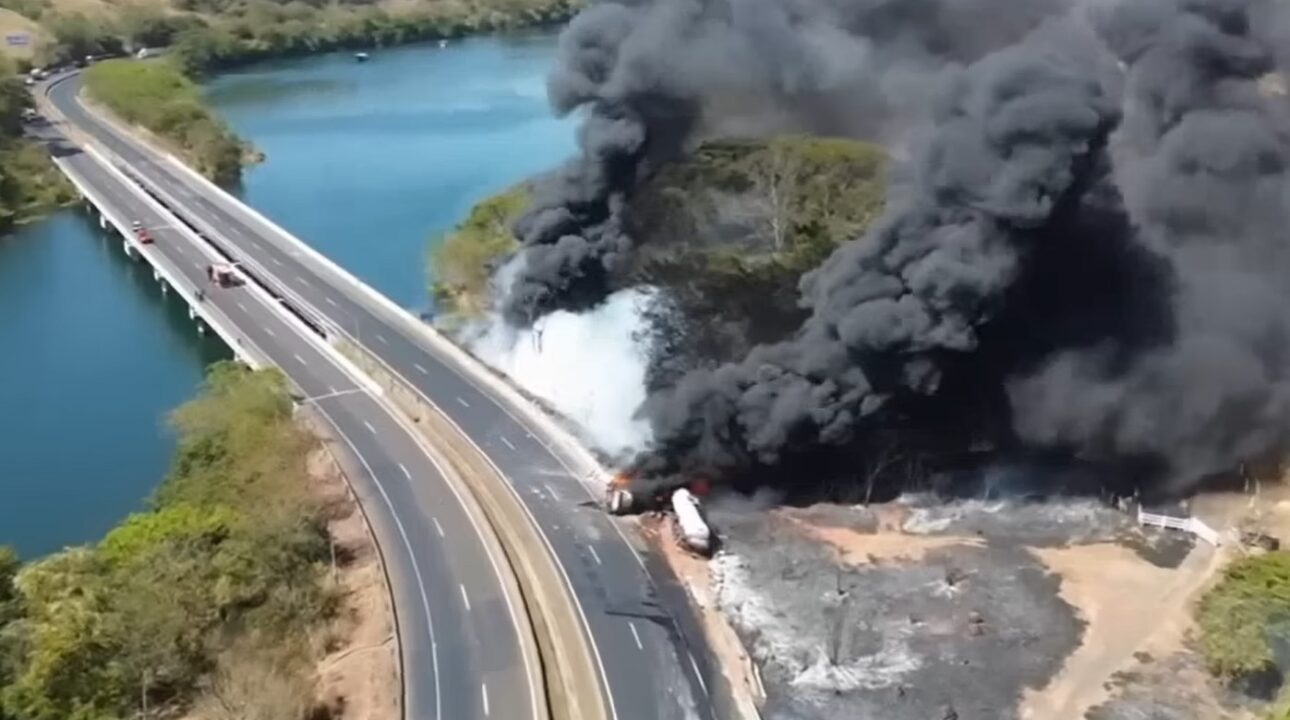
(728, 228)
(29, 182)
(157, 96)
(213, 598)
(462, 260)
(1244, 622)
(247, 31)
(732, 228)
(207, 35)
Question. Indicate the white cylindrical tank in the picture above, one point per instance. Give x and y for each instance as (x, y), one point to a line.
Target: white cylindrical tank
(694, 530)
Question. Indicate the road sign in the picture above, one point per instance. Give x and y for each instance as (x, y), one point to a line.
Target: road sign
(17, 39)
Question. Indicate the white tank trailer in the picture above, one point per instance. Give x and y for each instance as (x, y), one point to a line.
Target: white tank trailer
(694, 530)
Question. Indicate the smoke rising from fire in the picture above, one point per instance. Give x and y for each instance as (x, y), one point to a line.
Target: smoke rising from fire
(655, 76)
(1201, 161)
(1086, 253)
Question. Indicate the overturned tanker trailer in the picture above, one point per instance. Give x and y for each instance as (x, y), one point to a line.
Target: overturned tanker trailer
(692, 528)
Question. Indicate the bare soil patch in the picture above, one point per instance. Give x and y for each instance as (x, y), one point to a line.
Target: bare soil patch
(358, 677)
(1128, 606)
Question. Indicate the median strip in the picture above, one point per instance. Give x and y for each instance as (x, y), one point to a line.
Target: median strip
(571, 673)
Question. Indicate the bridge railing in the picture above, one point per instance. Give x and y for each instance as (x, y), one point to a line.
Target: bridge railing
(243, 348)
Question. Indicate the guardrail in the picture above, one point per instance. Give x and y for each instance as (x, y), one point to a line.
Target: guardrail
(580, 702)
(559, 441)
(572, 687)
(243, 348)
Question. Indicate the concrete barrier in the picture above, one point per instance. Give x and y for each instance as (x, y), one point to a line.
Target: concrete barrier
(570, 676)
(572, 681)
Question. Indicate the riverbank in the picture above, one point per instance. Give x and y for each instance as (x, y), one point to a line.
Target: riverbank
(208, 36)
(30, 186)
(156, 97)
(244, 586)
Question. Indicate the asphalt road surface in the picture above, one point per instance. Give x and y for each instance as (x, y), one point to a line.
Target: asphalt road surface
(651, 669)
(459, 640)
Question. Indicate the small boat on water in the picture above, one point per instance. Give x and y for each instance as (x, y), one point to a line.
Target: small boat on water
(361, 56)
(443, 43)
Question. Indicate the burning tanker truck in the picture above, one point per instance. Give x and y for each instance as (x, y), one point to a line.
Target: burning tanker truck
(692, 529)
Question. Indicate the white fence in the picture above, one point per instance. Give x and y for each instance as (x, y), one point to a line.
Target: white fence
(1193, 525)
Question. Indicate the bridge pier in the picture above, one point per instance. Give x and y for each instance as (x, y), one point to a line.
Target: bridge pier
(103, 223)
(129, 249)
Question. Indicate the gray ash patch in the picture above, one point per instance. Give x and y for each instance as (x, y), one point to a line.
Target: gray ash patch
(1037, 523)
(1175, 687)
(965, 627)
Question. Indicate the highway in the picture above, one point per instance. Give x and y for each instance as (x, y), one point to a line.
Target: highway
(650, 669)
(460, 644)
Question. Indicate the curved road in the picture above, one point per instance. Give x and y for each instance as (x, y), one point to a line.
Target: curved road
(460, 643)
(649, 669)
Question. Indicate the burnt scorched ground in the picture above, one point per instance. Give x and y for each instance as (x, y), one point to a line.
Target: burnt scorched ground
(939, 610)
(1174, 687)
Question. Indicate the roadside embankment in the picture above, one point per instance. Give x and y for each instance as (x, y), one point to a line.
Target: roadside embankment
(572, 689)
(360, 676)
(158, 98)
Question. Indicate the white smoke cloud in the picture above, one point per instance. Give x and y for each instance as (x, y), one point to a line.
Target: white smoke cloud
(589, 367)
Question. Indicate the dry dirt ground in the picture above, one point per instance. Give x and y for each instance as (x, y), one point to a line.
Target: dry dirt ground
(358, 678)
(923, 609)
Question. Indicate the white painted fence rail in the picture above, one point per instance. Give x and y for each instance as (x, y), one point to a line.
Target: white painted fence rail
(1193, 525)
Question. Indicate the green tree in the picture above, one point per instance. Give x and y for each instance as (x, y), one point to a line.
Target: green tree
(147, 26)
(76, 35)
(1240, 616)
(29, 182)
(69, 671)
(461, 262)
(10, 613)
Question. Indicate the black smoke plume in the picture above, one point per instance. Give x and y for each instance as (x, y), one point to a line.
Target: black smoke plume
(652, 77)
(1201, 161)
(1016, 137)
(1094, 262)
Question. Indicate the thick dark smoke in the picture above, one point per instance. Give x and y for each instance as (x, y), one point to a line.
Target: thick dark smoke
(1016, 136)
(652, 77)
(1086, 255)
(1202, 164)
(1129, 301)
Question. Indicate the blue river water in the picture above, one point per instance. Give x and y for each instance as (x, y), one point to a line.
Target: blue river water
(367, 162)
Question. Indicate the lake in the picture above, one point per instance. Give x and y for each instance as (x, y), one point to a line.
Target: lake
(366, 162)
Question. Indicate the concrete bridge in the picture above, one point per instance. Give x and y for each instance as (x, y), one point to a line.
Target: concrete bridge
(515, 596)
